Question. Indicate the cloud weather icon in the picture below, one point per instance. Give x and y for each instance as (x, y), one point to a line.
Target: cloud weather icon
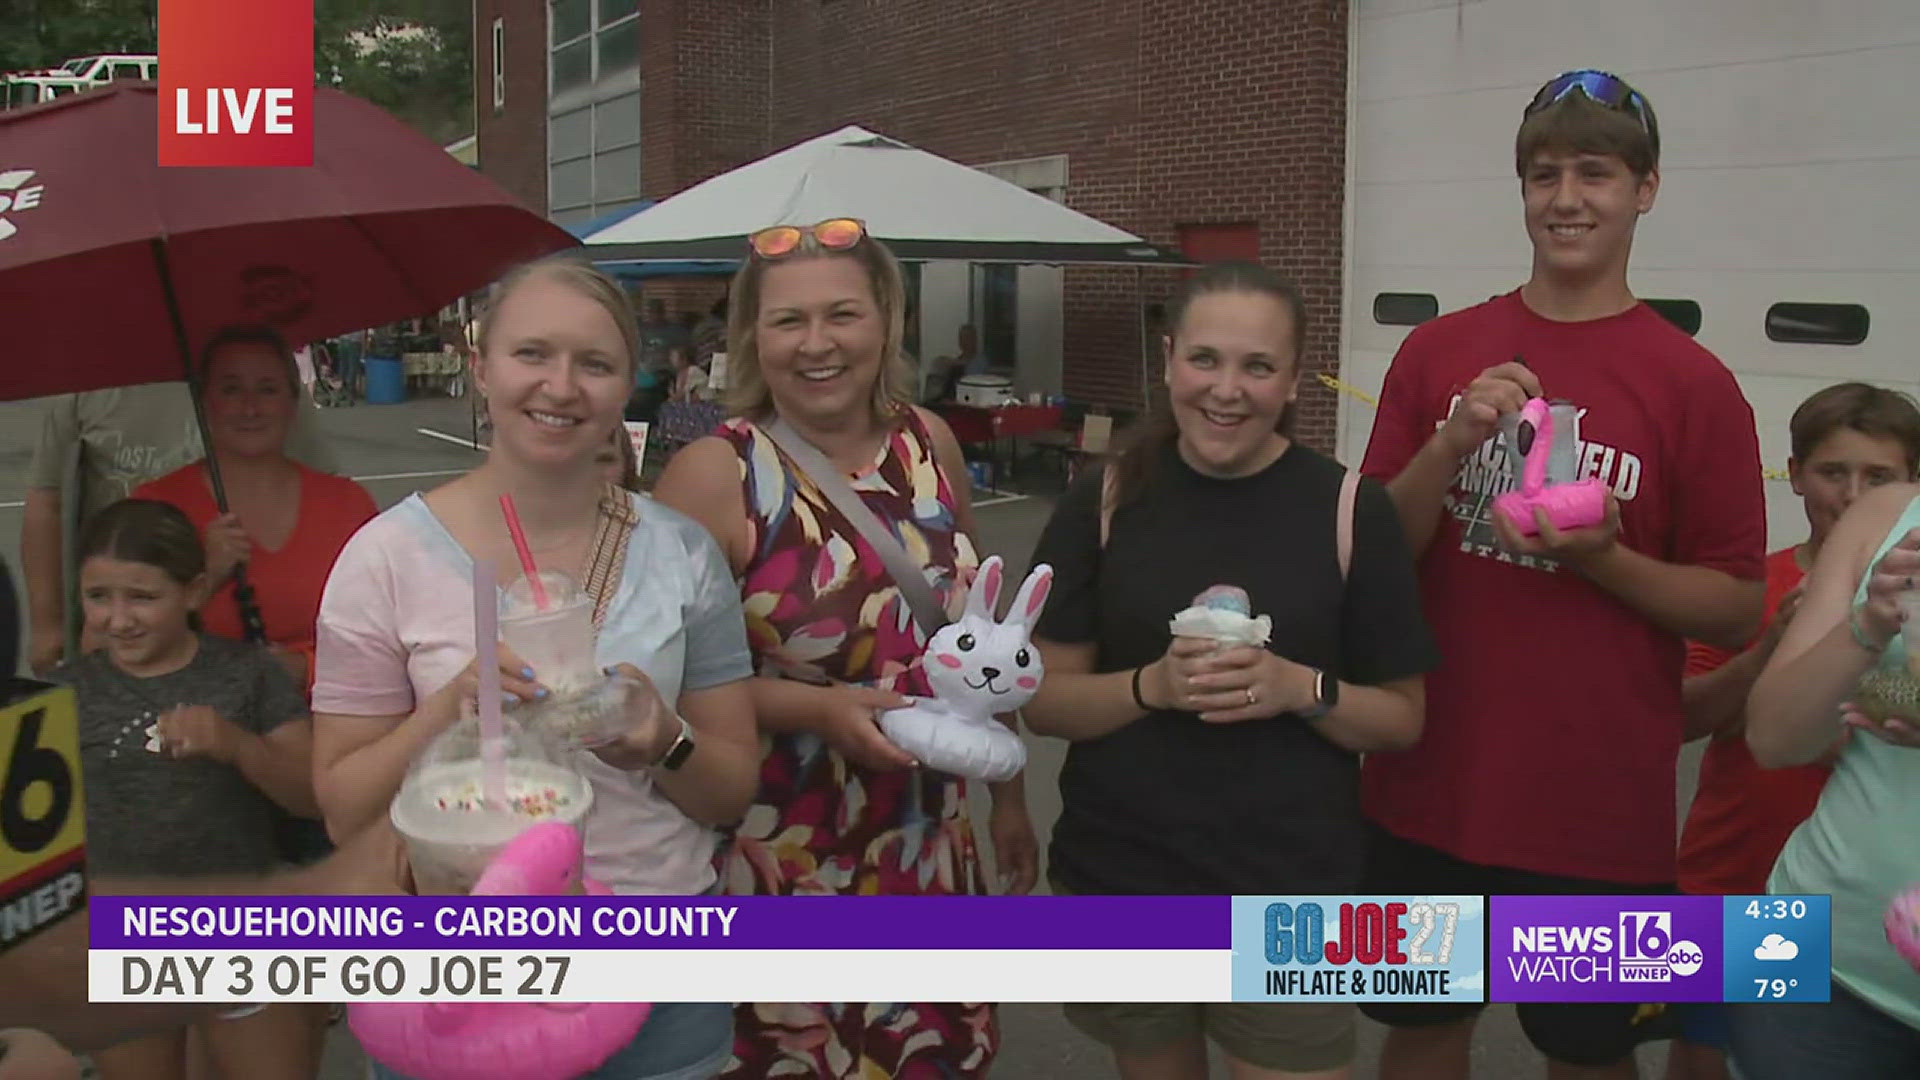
(1775, 947)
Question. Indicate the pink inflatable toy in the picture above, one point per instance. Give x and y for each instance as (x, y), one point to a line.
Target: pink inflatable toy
(510, 1040)
(1903, 926)
(1573, 505)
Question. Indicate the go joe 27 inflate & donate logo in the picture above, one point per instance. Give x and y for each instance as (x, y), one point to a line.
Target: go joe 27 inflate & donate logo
(236, 83)
(1359, 948)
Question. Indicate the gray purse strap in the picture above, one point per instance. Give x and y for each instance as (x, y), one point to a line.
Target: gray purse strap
(911, 579)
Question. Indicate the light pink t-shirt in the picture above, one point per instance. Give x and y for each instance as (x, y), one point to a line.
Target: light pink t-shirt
(396, 624)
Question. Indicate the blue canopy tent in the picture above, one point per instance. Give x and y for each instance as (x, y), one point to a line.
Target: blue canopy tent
(624, 270)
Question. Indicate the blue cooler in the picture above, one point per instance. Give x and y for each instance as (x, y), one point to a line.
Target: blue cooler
(386, 380)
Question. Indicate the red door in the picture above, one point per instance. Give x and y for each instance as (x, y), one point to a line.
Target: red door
(1218, 243)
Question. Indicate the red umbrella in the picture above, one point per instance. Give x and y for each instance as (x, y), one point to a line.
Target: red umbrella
(100, 246)
(113, 269)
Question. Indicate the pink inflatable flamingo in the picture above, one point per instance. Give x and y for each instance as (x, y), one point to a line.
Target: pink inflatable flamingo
(510, 1040)
(1903, 926)
(1573, 505)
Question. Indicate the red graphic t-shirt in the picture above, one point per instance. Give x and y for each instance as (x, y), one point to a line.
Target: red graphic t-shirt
(1742, 814)
(1553, 723)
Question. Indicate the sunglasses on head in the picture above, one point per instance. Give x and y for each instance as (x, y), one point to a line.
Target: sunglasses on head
(834, 234)
(1602, 88)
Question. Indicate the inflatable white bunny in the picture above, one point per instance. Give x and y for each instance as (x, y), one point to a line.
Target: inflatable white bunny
(978, 667)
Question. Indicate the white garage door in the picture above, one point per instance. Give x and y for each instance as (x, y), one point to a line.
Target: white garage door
(1791, 163)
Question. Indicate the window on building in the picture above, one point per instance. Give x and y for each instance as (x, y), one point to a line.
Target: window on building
(499, 64)
(999, 334)
(1817, 324)
(1404, 309)
(571, 19)
(618, 49)
(1684, 314)
(593, 106)
(572, 67)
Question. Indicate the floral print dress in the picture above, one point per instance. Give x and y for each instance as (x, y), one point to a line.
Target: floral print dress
(820, 605)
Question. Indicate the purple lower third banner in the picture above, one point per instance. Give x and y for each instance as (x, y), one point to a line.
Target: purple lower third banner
(638, 922)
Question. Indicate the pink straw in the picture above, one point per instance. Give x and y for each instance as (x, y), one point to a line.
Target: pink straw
(486, 648)
(526, 554)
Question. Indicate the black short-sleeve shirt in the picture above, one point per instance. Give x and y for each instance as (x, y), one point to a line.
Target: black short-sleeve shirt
(151, 814)
(1169, 804)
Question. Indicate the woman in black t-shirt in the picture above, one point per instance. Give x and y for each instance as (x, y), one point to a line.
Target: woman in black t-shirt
(1236, 771)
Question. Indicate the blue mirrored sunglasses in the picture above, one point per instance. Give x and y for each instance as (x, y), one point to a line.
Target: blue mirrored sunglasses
(1602, 88)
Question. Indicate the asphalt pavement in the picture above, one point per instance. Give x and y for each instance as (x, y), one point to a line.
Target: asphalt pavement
(394, 450)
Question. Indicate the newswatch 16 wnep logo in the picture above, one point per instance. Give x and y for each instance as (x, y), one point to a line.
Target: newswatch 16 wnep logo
(1605, 948)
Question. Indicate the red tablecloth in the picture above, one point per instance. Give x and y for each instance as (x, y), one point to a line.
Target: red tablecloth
(972, 424)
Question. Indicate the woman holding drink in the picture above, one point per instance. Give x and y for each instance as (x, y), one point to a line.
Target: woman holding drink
(1850, 659)
(395, 658)
(1217, 678)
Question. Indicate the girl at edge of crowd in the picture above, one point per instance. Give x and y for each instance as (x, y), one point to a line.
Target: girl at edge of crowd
(1848, 623)
(814, 339)
(555, 357)
(189, 741)
(1847, 440)
(1237, 771)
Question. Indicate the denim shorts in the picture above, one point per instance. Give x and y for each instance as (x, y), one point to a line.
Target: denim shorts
(679, 1041)
(1704, 1024)
(1844, 1039)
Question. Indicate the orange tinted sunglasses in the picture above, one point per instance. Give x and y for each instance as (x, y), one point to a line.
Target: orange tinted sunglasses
(834, 234)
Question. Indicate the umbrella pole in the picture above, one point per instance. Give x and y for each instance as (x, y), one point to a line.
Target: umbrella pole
(250, 618)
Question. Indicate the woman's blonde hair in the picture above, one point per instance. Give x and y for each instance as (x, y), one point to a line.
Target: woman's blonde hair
(747, 393)
(582, 278)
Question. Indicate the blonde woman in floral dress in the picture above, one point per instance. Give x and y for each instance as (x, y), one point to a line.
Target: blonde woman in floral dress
(815, 340)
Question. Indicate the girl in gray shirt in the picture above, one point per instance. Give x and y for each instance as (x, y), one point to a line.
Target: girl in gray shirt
(187, 743)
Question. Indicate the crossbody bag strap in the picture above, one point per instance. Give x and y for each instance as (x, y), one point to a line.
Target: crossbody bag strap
(1343, 521)
(910, 578)
(609, 560)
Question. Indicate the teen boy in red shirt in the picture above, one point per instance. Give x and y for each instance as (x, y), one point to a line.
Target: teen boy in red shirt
(1554, 722)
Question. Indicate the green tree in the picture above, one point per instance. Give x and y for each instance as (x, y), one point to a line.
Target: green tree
(413, 58)
(47, 33)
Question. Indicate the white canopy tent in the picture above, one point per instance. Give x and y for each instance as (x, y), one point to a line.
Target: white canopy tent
(922, 206)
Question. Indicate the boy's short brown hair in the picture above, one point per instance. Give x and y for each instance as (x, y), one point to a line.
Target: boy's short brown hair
(1871, 410)
(1576, 124)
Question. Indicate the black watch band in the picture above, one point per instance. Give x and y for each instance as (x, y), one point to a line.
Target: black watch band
(1326, 694)
(682, 748)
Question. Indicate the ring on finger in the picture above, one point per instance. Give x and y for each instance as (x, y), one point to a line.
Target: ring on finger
(1253, 696)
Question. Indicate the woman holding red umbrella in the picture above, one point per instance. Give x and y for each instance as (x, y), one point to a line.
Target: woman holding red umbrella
(286, 523)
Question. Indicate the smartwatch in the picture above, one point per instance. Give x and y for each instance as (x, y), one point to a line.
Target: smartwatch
(682, 748)
(1326, 694)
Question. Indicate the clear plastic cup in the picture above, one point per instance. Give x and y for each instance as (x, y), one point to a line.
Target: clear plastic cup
(583, 719)
(557, 642)
(1909, 602)
(451, 835)
(1562, 460)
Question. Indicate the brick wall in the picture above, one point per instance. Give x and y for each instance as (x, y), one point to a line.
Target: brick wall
(513, 142)
(1170, 112)
(703, 108)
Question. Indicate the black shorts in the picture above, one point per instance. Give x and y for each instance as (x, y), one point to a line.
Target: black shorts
(1591, 1035)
